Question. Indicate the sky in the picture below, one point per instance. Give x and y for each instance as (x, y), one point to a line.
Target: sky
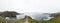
(21, 6)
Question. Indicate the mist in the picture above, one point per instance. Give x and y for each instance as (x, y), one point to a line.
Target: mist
(22, 6)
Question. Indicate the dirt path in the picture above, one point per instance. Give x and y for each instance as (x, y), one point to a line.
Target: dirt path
(26, 21)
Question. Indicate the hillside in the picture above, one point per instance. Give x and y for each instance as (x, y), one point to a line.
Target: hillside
(2, 20)
(54, 20)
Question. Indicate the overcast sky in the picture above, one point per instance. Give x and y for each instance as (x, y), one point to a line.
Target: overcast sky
(45, 6)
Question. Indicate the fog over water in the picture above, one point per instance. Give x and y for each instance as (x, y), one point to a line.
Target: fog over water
(23, 6)
(36, 16)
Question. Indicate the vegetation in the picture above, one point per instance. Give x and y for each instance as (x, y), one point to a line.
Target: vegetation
(54, 20)
(5, 14)
(9, 14)
(2, 20)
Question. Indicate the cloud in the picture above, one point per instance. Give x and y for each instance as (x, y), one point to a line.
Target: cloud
(46, 6)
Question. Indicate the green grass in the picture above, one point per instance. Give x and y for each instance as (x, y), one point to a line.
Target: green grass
(2, 20)
(54, 20)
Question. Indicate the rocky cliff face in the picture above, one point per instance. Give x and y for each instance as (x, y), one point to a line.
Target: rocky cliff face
(9, 14)
(54, 14)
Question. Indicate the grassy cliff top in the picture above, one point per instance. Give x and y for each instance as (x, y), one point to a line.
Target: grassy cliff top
(54, 20)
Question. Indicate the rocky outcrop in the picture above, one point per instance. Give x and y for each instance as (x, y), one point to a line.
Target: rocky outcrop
(9, 14)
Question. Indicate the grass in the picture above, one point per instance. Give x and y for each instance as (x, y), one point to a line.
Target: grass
(2, 20)
(54, 20)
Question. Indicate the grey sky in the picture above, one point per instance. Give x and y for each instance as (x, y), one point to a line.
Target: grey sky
(46, 6)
